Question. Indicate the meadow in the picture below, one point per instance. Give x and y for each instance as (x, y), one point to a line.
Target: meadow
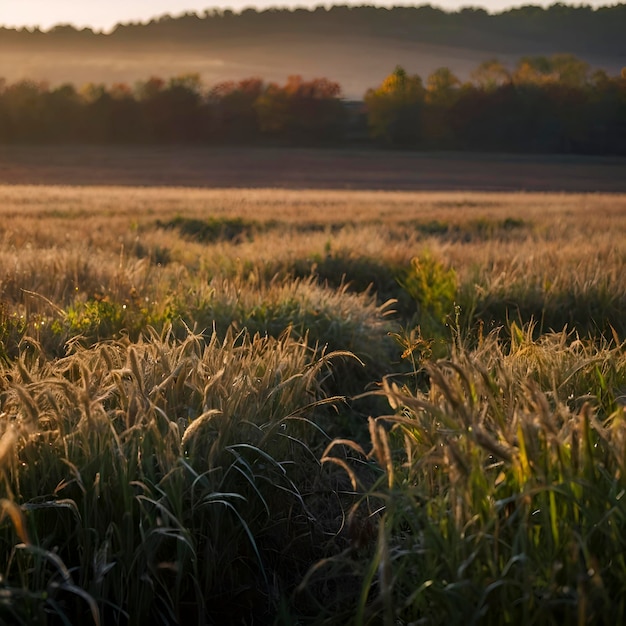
(275, 406)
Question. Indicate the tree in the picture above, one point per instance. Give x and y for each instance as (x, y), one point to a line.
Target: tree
(558, 68)
(98, 119)
(234, 112)
(175, 111)
(309, 111)
(394, 109)
(63, 112)
(442, 87)
(149, 89)
(570, 70)
(24, 111)
(442, 93)
(490, 75)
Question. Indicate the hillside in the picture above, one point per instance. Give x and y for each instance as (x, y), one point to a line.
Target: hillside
(355, 46)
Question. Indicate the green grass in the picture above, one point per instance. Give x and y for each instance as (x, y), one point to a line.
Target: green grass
(211, 230)
(502, 485)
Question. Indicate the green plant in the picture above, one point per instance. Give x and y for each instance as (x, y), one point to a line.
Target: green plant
(13, 327)
(433, 287)
(212, 229)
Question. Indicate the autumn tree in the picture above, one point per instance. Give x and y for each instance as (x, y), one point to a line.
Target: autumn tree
(302, 111)
(63, 113)
(173, 111)
(149, 89)
(186, 116)
(442, 93)
(565, 69)
(394, 108)
(110, 114)
(23, 111)
(235, 116)
(490, 75)
(442, 87)
(547, 104)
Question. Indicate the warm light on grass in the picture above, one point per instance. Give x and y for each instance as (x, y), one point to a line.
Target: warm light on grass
(225, 406)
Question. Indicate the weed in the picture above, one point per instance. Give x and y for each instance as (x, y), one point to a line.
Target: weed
(433, 287)
(211, 230)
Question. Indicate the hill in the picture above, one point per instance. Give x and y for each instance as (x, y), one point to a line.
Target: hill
(356, 46)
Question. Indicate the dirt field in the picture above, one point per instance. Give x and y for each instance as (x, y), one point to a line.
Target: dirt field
(314, 169)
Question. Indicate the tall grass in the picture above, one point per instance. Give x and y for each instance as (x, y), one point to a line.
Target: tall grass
(217, 409)
(157, 480)
(501, 485)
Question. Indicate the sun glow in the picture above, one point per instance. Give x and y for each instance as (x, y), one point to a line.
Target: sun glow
(103, 16)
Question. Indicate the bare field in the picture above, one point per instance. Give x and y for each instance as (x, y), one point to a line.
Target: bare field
(307, 168)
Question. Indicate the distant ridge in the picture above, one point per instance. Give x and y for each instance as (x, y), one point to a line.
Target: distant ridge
(575, 28)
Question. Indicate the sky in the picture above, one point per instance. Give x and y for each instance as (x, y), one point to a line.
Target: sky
(104, 14)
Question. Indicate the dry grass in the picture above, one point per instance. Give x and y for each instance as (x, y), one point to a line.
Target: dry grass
(548, 234)
(166, 392)
(40, 215)
(512, 252)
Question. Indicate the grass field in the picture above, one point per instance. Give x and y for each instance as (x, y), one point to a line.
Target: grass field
(289, 406)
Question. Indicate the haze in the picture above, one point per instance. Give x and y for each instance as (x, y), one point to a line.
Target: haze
(104, 15)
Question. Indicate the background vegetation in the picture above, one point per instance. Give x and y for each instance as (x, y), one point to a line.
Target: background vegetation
(546, 104)
(311, 407)
(354, 46)
(558, 27)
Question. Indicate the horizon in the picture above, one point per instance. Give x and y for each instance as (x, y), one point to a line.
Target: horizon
(104, 18)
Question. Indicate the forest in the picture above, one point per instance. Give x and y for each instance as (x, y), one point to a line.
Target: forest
(553, 104)
(577, 28)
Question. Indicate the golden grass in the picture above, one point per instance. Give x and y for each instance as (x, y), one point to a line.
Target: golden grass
(192, 457)
(71, 243)
(564, 231)
(290, 205)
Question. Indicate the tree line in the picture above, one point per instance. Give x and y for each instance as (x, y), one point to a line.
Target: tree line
(580, 29)
(545, 104)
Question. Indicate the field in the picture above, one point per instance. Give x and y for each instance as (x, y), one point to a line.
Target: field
(262, 167)
(311, 406)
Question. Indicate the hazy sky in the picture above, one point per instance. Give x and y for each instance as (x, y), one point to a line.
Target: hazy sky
(103, 14)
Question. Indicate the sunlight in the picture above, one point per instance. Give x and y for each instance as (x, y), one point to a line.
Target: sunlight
(104, 16)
